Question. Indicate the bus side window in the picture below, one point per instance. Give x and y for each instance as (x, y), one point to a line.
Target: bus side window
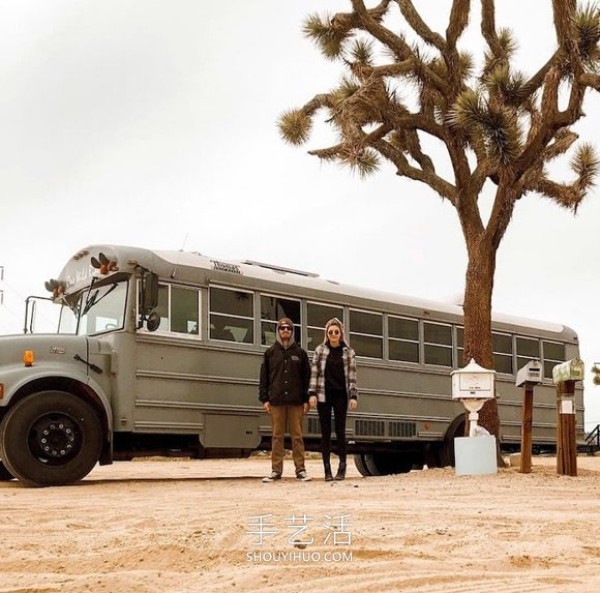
(273, 308)
(527, 349)
(554, 353)
(163, 307)
(437, 339)
(231, 315)
(317, 316)
(403, 340)
(219, 330)
(185, 305)
(366, 333)
(502, 347)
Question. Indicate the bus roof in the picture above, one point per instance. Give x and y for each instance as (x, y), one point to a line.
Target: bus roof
(311, 280)
(179, 265)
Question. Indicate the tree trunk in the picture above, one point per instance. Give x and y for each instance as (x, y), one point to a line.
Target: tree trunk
(478, 320)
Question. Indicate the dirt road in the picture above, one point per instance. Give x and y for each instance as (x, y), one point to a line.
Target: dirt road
(183, 526)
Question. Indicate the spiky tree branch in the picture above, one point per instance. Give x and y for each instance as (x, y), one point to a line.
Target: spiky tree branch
(413, 18)
(459, 19)
(488, 27)
(485, 118)
(487, 121)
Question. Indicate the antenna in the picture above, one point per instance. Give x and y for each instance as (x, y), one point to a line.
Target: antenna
(180, 251)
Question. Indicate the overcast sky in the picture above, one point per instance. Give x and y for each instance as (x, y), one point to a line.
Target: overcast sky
(153, 124)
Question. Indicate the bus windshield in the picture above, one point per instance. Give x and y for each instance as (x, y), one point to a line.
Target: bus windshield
(100, 309)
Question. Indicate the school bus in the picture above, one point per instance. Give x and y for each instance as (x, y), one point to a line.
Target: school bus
(158, 352)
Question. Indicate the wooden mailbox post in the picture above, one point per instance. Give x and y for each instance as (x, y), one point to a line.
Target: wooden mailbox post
(565, 375)
(528, 377)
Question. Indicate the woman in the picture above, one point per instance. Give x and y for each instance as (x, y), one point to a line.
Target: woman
(333, 389)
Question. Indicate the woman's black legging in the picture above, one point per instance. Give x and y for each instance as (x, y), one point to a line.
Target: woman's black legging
(337, 403)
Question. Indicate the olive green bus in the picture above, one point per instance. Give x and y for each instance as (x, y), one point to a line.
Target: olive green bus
(159, 352)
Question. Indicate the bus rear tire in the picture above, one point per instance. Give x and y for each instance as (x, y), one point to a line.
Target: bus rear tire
(360, 465)
(50, 438)
(384, 464)
(5, 475)
(446, 450)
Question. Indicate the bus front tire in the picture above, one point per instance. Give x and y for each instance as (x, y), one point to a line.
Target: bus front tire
(50, 438)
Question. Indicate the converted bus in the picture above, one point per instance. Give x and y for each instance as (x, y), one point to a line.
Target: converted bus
(159, 352)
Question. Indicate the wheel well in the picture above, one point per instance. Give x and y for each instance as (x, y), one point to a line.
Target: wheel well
(77, 389)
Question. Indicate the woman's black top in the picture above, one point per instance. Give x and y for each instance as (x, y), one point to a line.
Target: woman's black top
(335, 381)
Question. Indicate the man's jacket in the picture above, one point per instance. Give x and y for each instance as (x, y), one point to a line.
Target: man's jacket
(284, 375)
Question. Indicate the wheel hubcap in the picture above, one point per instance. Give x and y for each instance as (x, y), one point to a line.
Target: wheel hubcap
(54, 438)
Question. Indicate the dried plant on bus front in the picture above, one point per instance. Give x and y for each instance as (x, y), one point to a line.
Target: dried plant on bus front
(496, 124)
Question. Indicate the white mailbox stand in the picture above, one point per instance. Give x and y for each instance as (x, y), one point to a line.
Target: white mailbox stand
(473, 385)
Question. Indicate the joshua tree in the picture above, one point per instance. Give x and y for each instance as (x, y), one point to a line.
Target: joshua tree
(495, 123)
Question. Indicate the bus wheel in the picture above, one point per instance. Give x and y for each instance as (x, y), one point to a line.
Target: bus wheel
(50, 438)
(431, 456)
(359, 461)
(5, 475)
(383, 464)
(446, 450)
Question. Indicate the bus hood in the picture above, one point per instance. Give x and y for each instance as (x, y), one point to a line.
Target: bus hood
(52, 349)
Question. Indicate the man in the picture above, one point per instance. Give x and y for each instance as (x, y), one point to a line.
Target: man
(284, 379)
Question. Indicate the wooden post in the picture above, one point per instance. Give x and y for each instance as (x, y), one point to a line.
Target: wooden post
(526, 429)
(566, 443)
(564, 376)
(559, 441)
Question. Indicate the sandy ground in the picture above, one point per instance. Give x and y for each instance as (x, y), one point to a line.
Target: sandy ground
(182, 526)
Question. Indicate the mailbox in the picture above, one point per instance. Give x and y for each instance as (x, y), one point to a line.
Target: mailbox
(473, 382)
(530, 374)
(473, 386)
(572, 370)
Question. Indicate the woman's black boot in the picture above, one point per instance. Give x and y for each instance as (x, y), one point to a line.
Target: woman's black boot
(341, 472)
(328, 474)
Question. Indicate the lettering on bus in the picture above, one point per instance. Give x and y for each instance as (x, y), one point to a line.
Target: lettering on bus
(225, 267)
(79, 275)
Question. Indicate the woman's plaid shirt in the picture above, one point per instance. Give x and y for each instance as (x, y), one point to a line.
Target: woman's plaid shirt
(317, 372)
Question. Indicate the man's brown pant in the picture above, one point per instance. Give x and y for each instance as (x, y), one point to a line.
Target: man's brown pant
(289, 417)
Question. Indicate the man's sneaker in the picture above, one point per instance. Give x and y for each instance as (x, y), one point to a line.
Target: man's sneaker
(272, 477)
(303, 476)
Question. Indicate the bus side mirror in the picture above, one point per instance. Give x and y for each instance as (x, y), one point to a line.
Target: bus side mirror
(153, 321)
(149, 292)
(149, 301)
